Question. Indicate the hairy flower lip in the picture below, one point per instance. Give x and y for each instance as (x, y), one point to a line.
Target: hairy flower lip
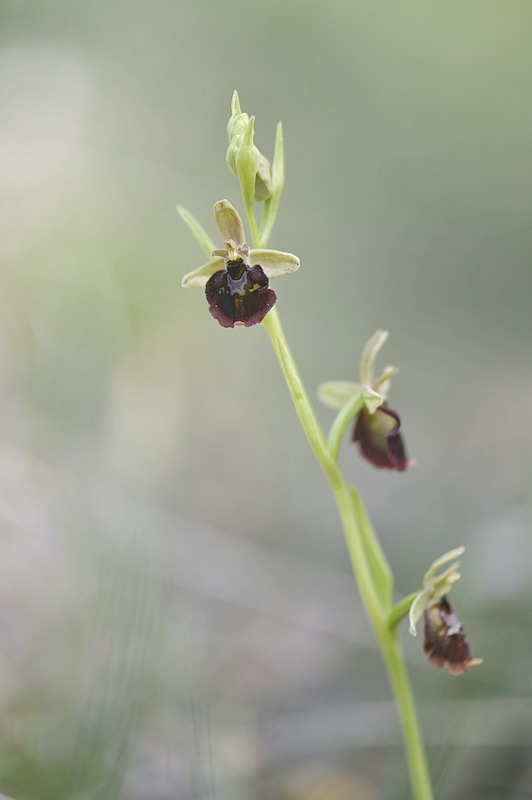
(380, 445)
(446, 643)
(239, 294)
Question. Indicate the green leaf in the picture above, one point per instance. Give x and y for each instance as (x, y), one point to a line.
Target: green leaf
(271, 205)
(378, 563)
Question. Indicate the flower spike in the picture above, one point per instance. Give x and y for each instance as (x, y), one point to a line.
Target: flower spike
(243, 157)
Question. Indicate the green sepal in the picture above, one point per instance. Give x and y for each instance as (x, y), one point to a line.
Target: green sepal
(198, 232)
(369, 356)
(200, 276)
(377, 561)
(275, 263)
(336, 394)
(229, 222)
(435, 587)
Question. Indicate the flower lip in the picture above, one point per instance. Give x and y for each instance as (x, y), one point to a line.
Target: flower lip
(239, 294)
(379, 439)
(445, 643)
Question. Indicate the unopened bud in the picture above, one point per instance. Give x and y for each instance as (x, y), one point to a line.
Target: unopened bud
(243, 157)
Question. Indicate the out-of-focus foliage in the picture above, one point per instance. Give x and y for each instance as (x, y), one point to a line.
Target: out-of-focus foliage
(177, 617)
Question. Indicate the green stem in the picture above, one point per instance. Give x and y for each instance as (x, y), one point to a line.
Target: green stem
(380, 568)
(360, 553)
(253, 226)
(400, 610)
(304, 410)
(404, 700)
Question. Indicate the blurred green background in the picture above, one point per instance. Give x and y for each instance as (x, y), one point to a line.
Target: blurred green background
(177, 616)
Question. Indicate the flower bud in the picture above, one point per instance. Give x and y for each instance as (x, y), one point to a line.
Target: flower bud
(244, 159)
(238, 121)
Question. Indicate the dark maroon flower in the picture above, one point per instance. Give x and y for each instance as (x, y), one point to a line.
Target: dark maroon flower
(445, 642)
(379, 439)
(377, 427)
(239, 294)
